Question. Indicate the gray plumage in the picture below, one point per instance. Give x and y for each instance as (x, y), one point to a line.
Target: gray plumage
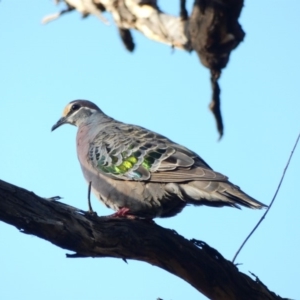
(137, 169)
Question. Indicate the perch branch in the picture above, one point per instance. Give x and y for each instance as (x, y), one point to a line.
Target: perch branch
(91, 236)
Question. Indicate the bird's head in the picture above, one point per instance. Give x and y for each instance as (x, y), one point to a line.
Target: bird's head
(77, 112)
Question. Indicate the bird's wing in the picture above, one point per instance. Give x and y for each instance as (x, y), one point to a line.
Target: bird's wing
(128, 152)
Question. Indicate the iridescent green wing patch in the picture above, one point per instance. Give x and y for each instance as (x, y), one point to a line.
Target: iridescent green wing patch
(128, 152)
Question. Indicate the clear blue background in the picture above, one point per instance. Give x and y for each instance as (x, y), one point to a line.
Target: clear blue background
(42, 68)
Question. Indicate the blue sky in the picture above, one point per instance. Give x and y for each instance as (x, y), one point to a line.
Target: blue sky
(42, 68)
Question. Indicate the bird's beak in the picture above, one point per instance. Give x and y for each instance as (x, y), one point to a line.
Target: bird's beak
(60, 122)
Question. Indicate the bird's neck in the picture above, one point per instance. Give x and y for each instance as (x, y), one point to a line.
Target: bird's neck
(93, 125)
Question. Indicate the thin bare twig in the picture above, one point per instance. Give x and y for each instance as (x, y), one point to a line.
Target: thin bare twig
(277, 190)
(89, 198)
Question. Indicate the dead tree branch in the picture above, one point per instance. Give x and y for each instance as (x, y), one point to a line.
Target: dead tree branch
(91, 236)
(212, 30)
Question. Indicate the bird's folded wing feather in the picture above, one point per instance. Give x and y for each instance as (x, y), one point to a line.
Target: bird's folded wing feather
(127, 152)
(187, 174)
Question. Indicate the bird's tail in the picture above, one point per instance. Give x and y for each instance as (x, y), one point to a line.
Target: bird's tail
(216, 193)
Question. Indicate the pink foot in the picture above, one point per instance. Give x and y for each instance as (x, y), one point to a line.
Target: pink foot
(124, 212)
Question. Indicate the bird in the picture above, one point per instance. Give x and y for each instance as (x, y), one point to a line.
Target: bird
(140, 173)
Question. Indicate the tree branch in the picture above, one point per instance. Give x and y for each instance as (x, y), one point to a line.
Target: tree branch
(212, 30)
(141, 15)
(91, 236)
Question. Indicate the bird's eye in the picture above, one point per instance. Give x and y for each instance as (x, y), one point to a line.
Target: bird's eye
(75, 107)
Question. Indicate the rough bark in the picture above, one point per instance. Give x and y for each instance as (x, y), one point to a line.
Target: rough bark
(212, 30)
(92, 236)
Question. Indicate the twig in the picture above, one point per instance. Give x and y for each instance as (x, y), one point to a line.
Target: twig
(55, 16)
(89, 198)
(277, 190)
(215, 104)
